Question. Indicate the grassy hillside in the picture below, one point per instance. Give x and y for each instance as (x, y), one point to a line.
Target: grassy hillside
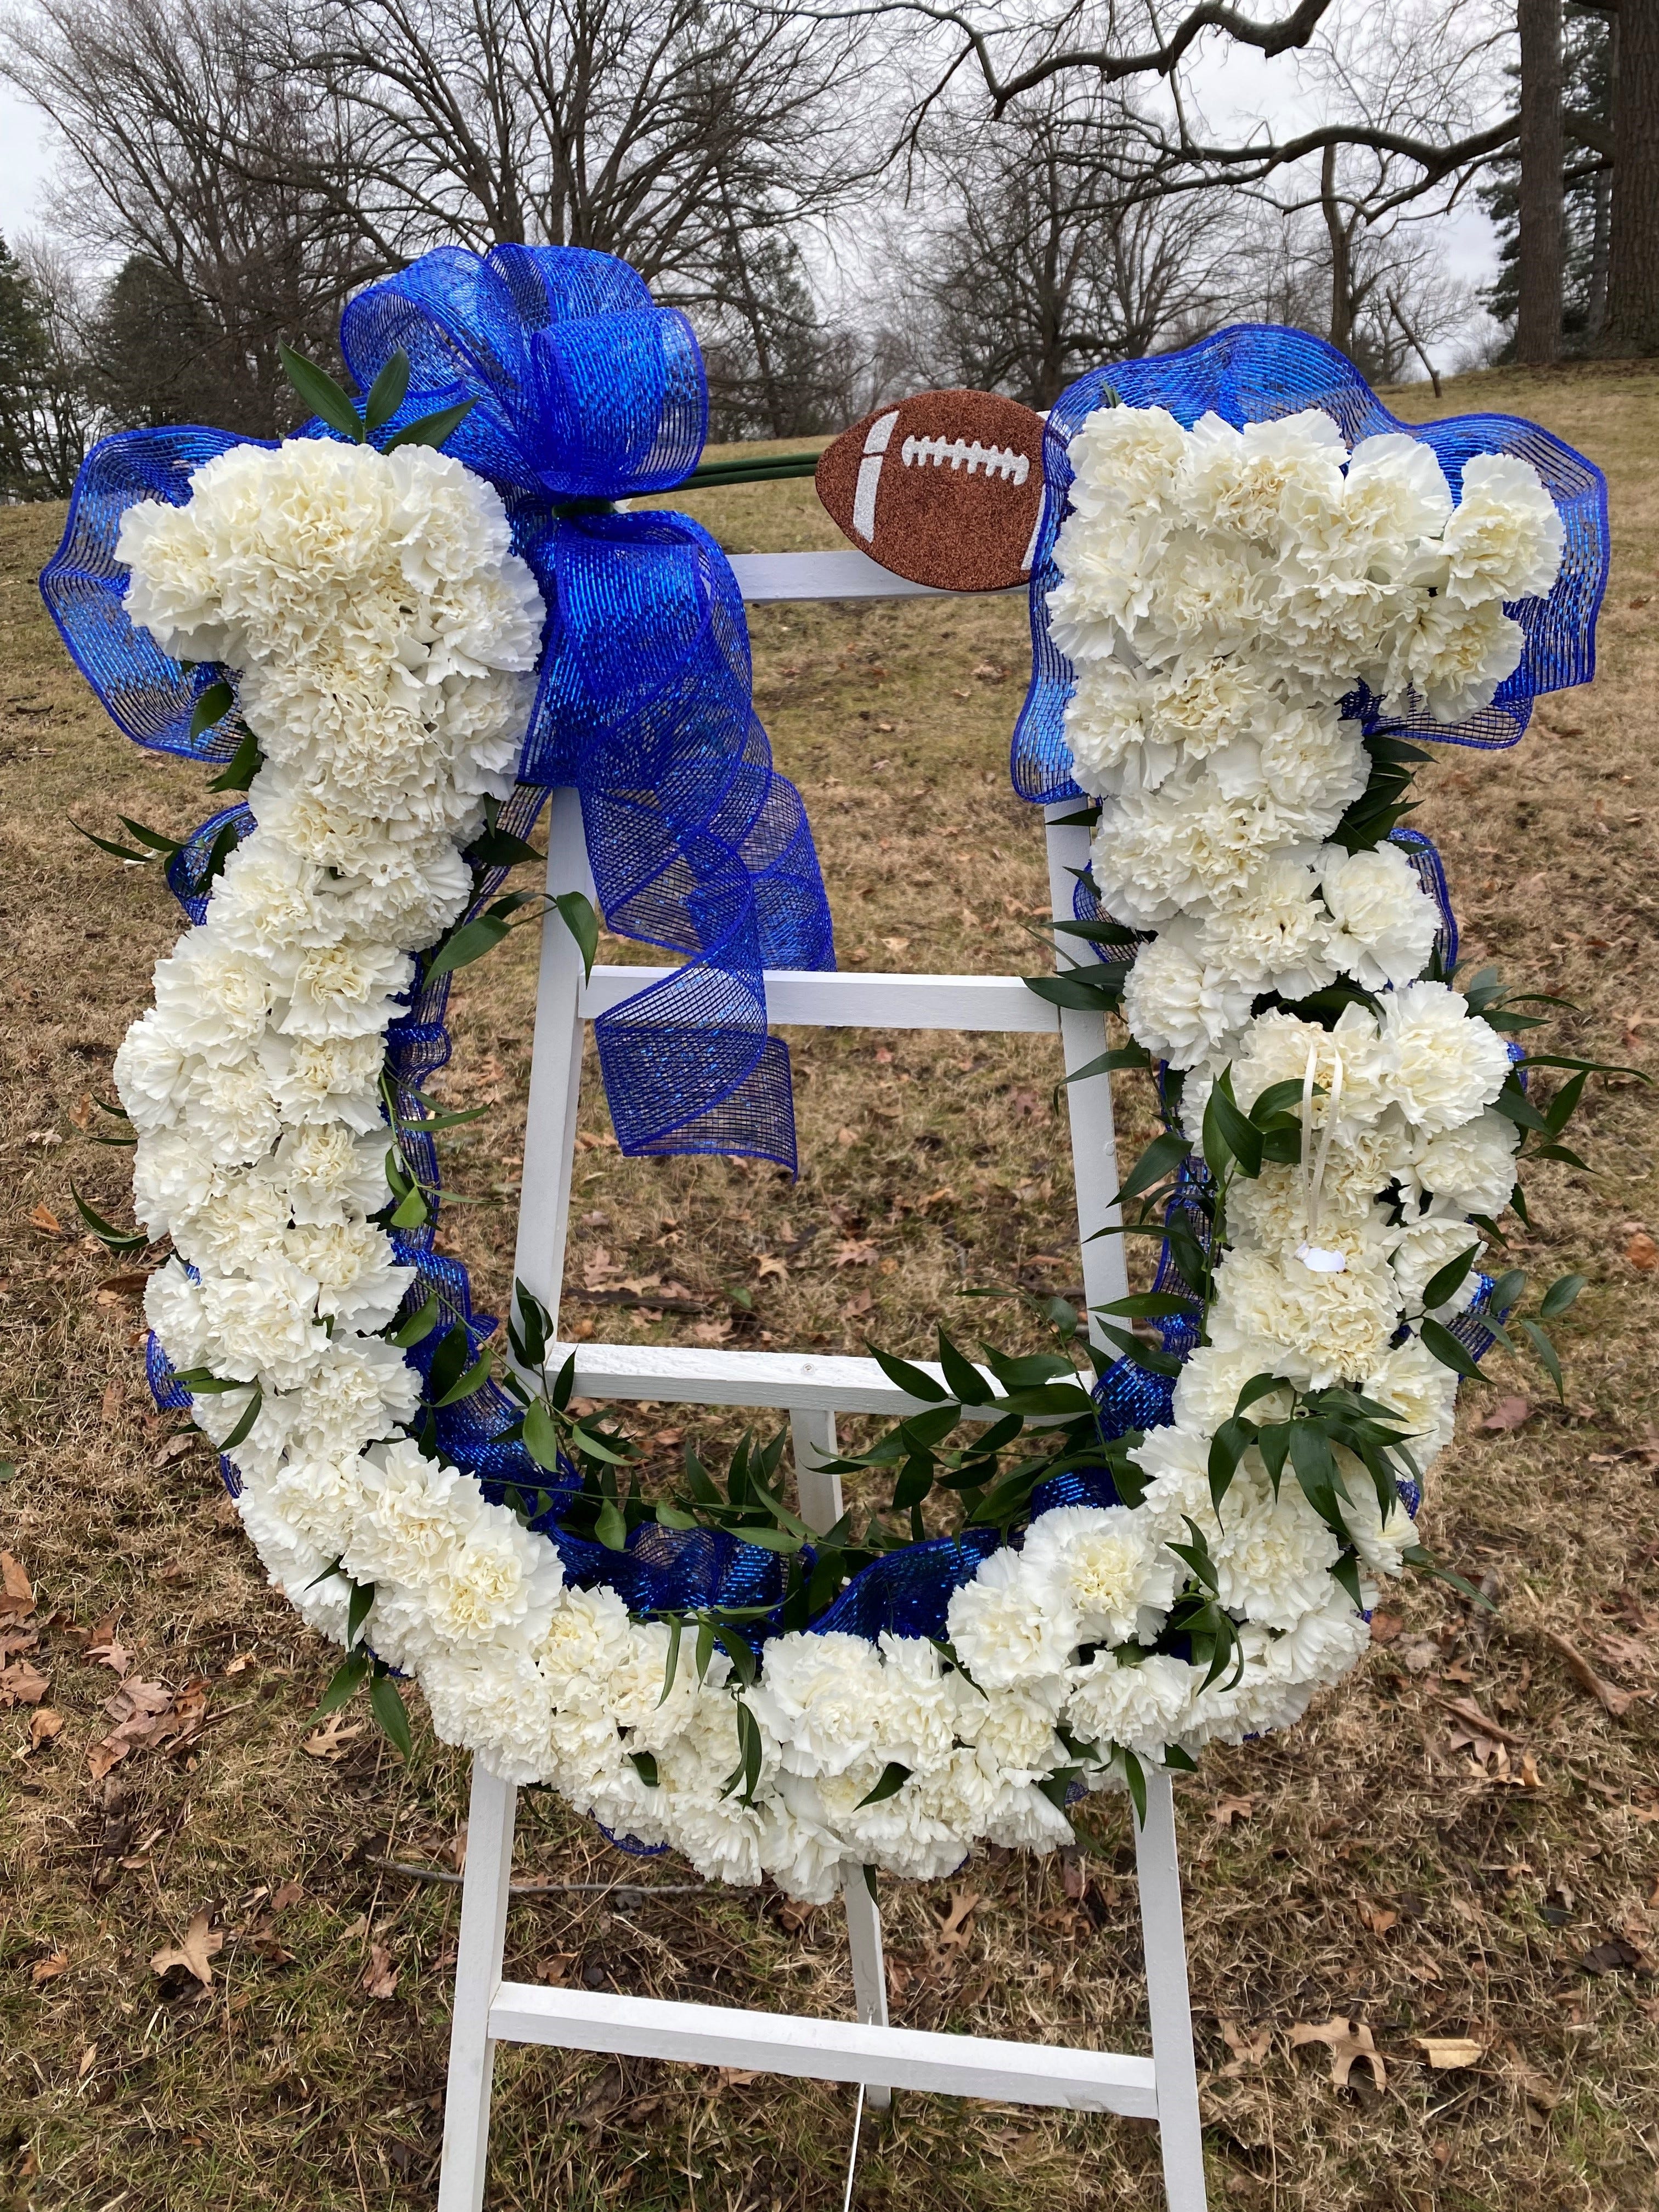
(1386, 1861)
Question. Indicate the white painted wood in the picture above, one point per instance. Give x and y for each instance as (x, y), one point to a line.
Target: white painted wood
(555, 1070)
(477, 1978)
(844, 999)
(1094, 1141)
(812, 1432)
(1164, 1939)
(691, 1375)
(812, 1388)
(869, 1967)
(844, 573)
(824, 2049)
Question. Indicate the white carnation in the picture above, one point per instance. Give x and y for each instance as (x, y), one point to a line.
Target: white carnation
(1427, 1244)
(1178, 1004)
(1385, 922)
(1444, 1064)
(999, 1629)
(1099, 1568)
(1470, 1169)
(1140, 1705)
(1323, 1328)
(1504, 541)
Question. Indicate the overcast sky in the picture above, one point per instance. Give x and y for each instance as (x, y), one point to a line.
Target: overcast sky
(1236, 86)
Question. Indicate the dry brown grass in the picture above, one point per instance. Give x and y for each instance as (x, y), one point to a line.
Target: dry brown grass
(1380, 1871)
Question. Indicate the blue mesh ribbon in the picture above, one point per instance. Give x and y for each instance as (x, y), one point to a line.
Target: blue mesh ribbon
(583, 393)
(1256, 373)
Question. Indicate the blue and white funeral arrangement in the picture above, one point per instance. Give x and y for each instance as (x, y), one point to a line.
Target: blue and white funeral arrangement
(1255, 596)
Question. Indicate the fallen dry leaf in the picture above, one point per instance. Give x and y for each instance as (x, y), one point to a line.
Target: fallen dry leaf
(1386, 1626)
(954, 1932)
(846, 1136)
(1227, 1810)
(1536, 2087)
(16, 1597)
(1509, 1413)
(44, 1218)
(711, 1331)
(1350, 2041)
(44, 1725)
(1379, 1918)
(853, 1252)
(22, 1684)
(767, 1264)
(89, 2060)
(334, 1738)
(1617, 1702)
(1247, 2048)
(104, 1647)
(554, 1969)
(198, 1944)
(48, 1969)
(1470, 1715)
(148, 1717)
(1446, 2052)
(380, 1976)
(1642, 1252)
(286, 1894)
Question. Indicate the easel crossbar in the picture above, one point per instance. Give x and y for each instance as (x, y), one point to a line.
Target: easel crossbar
(825, 2049)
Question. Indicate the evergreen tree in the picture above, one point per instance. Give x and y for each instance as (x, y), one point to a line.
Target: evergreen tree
(43, 416)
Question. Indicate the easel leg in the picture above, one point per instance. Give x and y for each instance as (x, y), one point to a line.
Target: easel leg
(813, 1434)
(1168, 1999)
(477, 1976)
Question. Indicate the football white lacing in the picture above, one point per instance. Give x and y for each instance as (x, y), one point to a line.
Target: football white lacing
(995, 460)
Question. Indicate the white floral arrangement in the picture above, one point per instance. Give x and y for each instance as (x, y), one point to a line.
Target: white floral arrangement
(1223, 592)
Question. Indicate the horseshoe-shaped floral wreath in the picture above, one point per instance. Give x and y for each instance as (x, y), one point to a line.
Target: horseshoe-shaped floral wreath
(1254, 591)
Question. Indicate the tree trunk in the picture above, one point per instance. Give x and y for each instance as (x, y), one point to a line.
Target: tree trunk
(1632, 324)
(1342, 277)
(1538, 325)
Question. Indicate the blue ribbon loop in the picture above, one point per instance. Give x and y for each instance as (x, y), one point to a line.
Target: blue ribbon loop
(583, 392)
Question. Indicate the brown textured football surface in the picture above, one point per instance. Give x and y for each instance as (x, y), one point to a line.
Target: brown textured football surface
(944, 488)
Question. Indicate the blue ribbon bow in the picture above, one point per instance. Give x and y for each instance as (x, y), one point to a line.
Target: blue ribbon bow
(583, 392)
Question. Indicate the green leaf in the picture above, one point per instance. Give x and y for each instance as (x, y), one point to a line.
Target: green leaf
(676, 1630)
(670, 1516)
(342, 1684)
(1107, 1063)
(1227, 1447)
(1561, 1293)
(904, 1376)
(1078, 988)
(499, 848)
(1449, 1351)
(769, 1540)
(474, 1379)
(1228, 1134)
(611, 1528)
(1345, 1570)
(1278, 1098)
(1144, 1355)
(211, 706)
(1448, 1280)
(961, 1374)
(576, 911)
(589, 1441)
(893, 1779)
(321, 393)
(431, 429)
(1135, 1775)
(244, 764)
(108, 845)
(644, 1766)
(117, 1240)
(469, 943)
(411, 1209)
(244, 1427)
(1547, 1353)
(386, 394)
(1160, 1159)
(388, 1705)
(541, 1436)
(417, 1328)
(358, 1608)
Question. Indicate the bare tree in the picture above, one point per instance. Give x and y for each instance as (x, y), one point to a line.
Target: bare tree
(651, 129)
(189, 155)
(1034, 246)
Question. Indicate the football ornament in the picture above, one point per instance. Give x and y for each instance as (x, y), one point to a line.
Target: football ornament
(945, 488)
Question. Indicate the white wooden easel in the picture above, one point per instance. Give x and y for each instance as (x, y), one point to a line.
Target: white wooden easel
(812, 1390)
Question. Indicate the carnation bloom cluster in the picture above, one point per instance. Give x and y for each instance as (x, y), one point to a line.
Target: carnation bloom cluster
(1222, 591)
